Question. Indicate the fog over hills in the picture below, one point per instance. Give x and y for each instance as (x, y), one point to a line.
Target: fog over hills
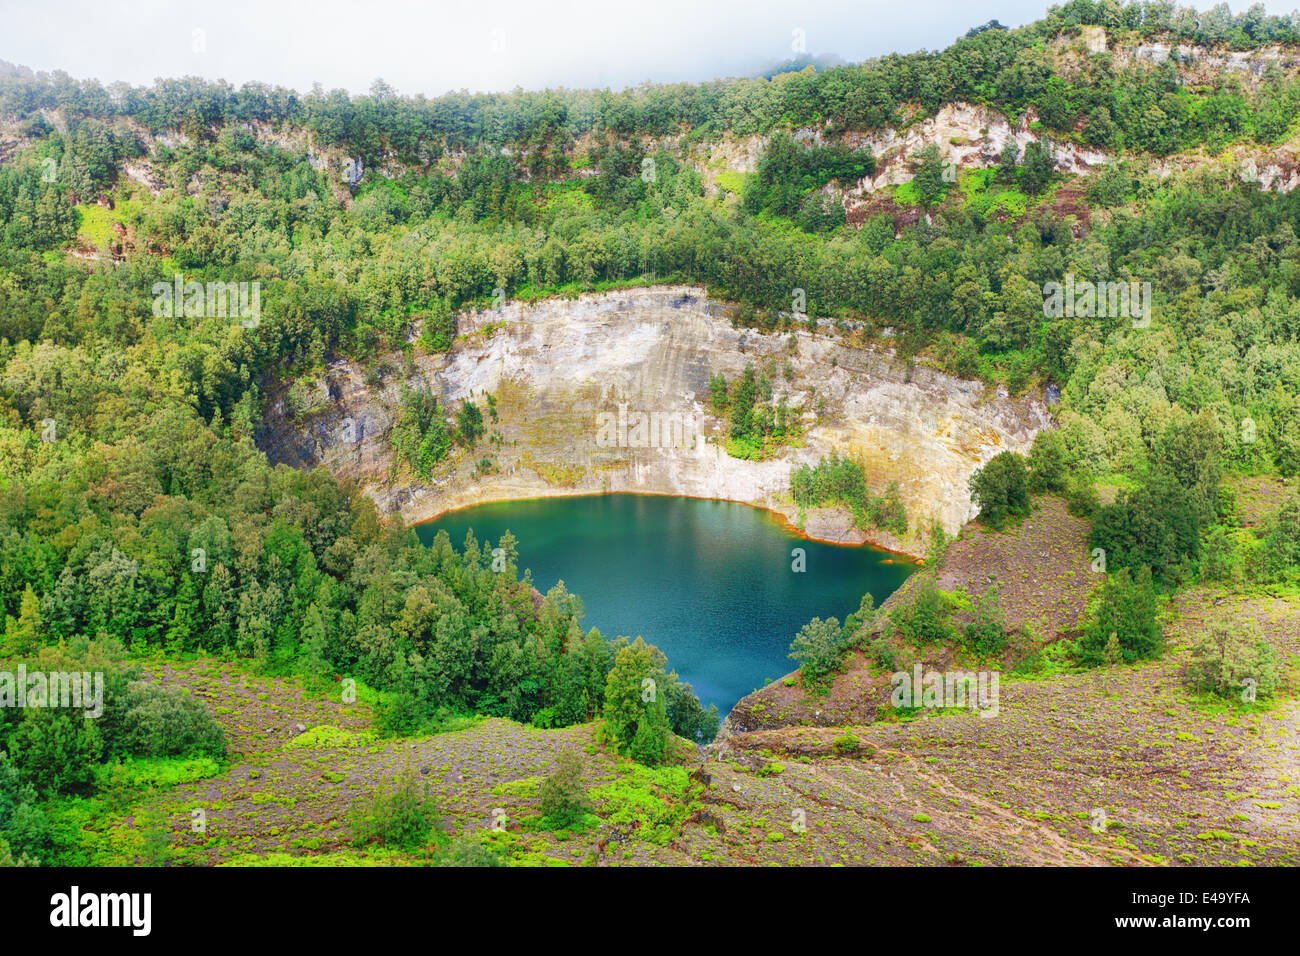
(434, 48)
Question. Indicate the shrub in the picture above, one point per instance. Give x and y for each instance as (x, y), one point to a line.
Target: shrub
(1190, 454)
(1156, 526)
(862, 624)
(439, 328)
(1220, 557)
(635, 712)
(564, 793)
(1126, 608)
(1081, 498)
(57, 752)
(986, 633)
(846, 744)
(650, 744)
(22, 634)
(842, 481)
(1026, 654)
(396, 816)
(466, 851)
(1037, 166)
(420, 435)
(1113, 186)
(925, 617)
(882, 652)
(927, 180)
(1001, 489)
(1047, 466)
(718, 392)
(818, 648)
(886, 511)
(939, 542)
(686, 715)
(22, 825)
(162, 722)
(1232, 657)
(1279, 552)
(155, 843)
(469, 424)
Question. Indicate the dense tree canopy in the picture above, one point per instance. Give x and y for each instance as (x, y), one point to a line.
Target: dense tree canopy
(137, 509)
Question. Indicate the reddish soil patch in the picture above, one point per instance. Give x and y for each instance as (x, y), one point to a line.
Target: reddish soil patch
(879, 205)
(1069, 204)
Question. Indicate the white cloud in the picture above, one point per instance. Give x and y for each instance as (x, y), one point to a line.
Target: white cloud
(435, 47)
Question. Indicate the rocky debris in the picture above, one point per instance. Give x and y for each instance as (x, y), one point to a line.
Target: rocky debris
(1094, 38)
(1204, 62)
(144, 173)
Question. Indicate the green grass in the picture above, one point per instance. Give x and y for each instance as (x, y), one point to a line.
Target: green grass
(652, 801)
(980, 194)
(87, 831)
(95, 225)
(142, 772)
(1008, 204)
(731, 181)
(377, 857)
(975, 182)
(990, 201)
(1119, 482)
(906, 195)
(327, 736)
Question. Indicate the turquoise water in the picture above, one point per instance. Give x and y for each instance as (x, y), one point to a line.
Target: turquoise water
(709, 582)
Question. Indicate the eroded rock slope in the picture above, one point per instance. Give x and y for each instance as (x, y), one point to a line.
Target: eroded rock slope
(555, 367)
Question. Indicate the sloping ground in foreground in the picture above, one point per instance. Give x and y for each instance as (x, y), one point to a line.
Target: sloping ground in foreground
(1180, 779)
(1043, 574)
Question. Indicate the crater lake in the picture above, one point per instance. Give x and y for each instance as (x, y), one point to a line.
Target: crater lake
(710, 583)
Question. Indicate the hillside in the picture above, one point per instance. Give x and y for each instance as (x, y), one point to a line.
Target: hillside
(1180, 782)
(1039, 291)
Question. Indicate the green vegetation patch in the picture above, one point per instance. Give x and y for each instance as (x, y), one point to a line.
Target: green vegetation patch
(327, 736)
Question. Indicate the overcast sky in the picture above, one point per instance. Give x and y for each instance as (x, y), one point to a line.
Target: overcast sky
(433, 47)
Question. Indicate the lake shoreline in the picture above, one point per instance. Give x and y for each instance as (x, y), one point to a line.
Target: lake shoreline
(721, 587)
(780, 517)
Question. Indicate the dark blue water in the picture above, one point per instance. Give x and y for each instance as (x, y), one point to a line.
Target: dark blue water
(709, 582)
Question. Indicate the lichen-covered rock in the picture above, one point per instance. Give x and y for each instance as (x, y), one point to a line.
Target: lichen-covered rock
(353, 171)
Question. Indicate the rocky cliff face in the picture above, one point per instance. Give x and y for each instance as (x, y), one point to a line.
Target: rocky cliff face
(571, 377)
(968, 137)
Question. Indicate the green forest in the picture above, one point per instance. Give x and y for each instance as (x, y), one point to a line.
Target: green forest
(138, 516)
